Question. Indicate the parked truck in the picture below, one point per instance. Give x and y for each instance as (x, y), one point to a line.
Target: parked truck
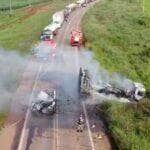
(71, 7)
(58, 18)
(49, 32)
(81, 3)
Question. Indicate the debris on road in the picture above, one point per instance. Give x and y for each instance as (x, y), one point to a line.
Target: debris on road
(80, 124)
(99, 136)
(93, 126)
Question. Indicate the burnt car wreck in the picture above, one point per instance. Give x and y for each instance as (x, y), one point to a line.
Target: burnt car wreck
(45, 103)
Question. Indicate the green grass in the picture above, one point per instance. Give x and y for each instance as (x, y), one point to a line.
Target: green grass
(2, 119)
(119, 34)
(4, 4)
(146, 6)
(23, 28)
(128, 124)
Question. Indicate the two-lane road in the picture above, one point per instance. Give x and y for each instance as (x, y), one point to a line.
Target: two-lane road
(58, 132)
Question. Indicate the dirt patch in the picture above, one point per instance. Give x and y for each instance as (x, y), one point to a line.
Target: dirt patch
(28, 12)
(32, 10)
(9, 134)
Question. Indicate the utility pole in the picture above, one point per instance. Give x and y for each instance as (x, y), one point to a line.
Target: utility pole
(143, 6)
(10, 7)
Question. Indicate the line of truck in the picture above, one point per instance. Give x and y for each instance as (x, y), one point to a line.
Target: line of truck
(137, 92)
(59, 17)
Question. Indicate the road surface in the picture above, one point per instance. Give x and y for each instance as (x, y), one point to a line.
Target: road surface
(59, 72)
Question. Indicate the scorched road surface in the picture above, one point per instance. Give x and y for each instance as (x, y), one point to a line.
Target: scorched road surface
(59, 72)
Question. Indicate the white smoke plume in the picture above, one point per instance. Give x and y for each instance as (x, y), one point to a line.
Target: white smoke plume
(11, 68)
(70, 59)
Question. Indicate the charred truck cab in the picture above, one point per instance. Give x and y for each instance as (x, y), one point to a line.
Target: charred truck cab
(136, 93)
(84, 82)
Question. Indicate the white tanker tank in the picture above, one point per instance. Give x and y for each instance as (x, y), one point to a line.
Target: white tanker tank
(58, 18)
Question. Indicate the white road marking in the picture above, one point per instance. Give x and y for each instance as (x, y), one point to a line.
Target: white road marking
(24, 133)
(83, 104)
(56, 121)
(88, 126)
(54, 143)
(68, 27)
(57, 132)
(77, 59)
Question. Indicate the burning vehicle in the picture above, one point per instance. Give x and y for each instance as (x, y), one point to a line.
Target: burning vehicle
(45, 104)
(84, 82)
(137, 92)
(76, 38)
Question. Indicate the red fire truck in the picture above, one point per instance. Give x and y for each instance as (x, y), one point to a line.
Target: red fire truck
(76, 38)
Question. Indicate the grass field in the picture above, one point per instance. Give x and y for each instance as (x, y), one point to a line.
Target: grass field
(4, 4)
(129, 124)
(146, 6)
(23, 28)
(118, 32)
(2, 119)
